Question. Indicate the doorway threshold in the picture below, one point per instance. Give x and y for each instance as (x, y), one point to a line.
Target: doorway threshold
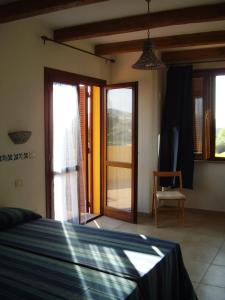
(88, 217)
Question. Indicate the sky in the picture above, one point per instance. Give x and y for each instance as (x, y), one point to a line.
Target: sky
(220, 101)
(120, 99)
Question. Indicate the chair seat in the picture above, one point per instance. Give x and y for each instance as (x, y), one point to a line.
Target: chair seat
(170, 195)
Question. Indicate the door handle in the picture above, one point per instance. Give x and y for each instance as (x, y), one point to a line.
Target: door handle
(66, 170)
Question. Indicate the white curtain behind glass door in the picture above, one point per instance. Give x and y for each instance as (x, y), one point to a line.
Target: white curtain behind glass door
(66, 143)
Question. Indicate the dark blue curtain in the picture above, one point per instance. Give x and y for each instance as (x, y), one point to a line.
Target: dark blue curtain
(176, 140)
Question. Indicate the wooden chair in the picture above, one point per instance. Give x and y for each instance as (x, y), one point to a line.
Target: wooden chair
(171, 196)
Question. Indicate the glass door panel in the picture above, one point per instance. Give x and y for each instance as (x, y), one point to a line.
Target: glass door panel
(120, 152)
(65, 152)
(119, 125)
(119, 188)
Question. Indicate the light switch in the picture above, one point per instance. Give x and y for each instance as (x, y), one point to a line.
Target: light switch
(18, 183)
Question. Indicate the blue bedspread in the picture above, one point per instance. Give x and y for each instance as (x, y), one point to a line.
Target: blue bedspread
(27, 276)
(155, 266)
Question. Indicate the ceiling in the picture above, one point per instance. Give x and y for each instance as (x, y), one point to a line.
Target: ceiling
(159, 32)
(120, 8)
(117, 8)
(6, 1)
(113, 9)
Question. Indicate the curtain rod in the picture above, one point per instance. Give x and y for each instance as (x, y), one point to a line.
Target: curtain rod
(194, 62)
(45, 38)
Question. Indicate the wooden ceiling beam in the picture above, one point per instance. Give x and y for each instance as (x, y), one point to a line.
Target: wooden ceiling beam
(185, 40)
(197, 14)
(29, 8)
(191, 56)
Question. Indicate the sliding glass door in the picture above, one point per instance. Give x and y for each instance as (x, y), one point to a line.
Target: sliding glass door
(120, 152)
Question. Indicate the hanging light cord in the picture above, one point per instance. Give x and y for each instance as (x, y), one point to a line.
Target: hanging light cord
(149, 16)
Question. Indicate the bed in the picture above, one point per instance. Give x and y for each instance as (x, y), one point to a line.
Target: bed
(59, 260)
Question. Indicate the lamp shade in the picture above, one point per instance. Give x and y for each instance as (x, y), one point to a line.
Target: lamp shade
(148, 59)
(19, 137)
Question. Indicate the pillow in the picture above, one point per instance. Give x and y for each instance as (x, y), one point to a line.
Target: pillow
(10, 216)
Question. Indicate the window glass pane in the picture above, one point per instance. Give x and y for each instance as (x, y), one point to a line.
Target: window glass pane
(220, 117)
(198, 115)
(119, 188)
(66, 142)
(198, 125)
(65, 127)
(119, 125)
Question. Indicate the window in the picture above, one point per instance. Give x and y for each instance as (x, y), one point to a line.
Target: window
(209, 119)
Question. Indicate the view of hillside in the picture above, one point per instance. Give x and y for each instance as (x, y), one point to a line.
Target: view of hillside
(119, 129)
(220, 142)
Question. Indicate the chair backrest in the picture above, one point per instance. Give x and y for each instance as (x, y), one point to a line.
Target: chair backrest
(167, 174)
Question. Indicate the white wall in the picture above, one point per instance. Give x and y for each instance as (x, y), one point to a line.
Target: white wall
(209, 187)
(149, 99)
(22, 60)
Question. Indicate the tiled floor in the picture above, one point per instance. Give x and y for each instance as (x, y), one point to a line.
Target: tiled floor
(202, 241)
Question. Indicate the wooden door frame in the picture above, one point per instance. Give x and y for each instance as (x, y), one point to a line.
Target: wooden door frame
(50, 76)
(113, 212)
(89, 184)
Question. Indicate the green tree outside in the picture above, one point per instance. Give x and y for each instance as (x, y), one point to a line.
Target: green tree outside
(220, 143)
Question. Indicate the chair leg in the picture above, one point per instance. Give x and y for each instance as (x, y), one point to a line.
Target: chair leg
(154, 209)
(156, 217)
(152, 205)
(179, 212)
(183, 213)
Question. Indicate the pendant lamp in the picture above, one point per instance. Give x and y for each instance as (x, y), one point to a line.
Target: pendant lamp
(148, 60)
